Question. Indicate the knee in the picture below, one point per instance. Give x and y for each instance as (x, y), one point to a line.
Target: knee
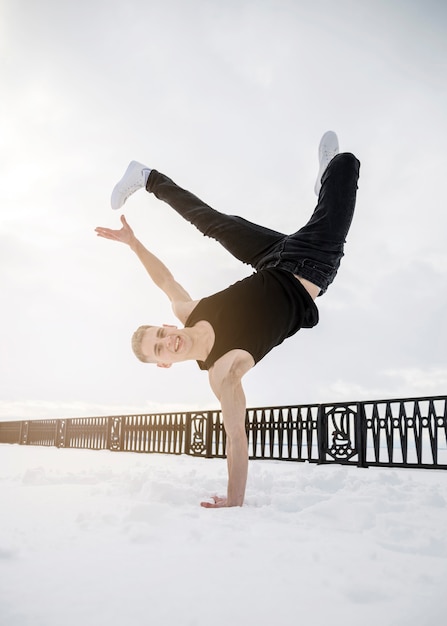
(346, 160)
(344, 168)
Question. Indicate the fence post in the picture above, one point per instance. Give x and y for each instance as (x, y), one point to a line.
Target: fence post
(361, 433)
(348, 423)
(114, 433)
(60, 434)
(321, 434)
(24, 433)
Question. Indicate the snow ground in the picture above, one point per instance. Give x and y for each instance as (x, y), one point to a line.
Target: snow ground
(98, 538)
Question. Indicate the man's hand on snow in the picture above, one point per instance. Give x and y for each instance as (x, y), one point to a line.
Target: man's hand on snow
(217, 503)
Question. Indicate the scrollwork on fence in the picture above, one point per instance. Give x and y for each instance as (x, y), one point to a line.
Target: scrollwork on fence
(114, 433)
(197, 445)
(341, 421)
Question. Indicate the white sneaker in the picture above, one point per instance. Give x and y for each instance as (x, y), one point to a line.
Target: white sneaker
(327, 150)
(135, 177)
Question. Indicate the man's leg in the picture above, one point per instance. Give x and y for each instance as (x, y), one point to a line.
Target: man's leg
(332, 217)
(315, 251)
(246, 241)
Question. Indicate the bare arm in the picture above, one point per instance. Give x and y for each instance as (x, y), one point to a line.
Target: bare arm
(157, 270)
(226, 382)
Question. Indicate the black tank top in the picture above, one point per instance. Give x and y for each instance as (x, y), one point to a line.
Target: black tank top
(255, 314)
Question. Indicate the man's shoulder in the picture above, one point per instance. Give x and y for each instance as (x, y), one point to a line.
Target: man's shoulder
(232, 364)
(182, 309)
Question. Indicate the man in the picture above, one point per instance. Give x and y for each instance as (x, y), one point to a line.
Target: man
(230, 331)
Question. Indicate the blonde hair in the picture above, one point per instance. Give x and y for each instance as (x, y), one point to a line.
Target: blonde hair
(137, 338)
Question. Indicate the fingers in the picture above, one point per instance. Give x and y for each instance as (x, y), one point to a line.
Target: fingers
(124, 234)
(106, 233)
(103, 232)
(217, 503)
(124, 222)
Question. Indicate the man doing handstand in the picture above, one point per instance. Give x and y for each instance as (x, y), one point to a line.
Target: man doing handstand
(230, 331)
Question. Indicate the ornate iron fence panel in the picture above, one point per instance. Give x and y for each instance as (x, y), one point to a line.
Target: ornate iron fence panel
(163, 433)
(283, 433)
(88, 432)
(11, 432)
(409, 432)
(41, 433)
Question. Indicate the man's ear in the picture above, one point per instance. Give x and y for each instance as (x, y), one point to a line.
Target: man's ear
(169, 326)
(164, 365)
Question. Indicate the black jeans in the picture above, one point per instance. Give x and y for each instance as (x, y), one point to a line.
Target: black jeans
(314, 252)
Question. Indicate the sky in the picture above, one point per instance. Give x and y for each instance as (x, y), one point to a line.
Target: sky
(103, 538)
(230, 100)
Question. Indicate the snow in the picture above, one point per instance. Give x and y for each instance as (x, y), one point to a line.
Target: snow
(99, 537)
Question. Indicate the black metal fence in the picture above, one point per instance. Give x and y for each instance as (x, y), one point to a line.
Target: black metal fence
(389, 433)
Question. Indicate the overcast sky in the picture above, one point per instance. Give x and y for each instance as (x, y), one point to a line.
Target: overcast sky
(230, 99)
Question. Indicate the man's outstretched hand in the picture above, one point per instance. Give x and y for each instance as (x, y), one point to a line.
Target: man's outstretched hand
(124, 234)
(217, 504)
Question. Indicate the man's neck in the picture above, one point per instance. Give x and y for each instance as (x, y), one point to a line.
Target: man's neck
(203, 337)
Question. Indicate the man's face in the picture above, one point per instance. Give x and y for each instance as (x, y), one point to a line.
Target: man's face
(166, 345)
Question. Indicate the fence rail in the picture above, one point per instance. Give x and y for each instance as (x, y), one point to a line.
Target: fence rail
(408, 432)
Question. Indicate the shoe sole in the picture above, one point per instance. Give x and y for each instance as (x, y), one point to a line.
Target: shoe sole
(117, 199)
(330, 140)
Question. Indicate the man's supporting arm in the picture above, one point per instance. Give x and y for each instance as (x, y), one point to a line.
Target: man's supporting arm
(226, 382)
